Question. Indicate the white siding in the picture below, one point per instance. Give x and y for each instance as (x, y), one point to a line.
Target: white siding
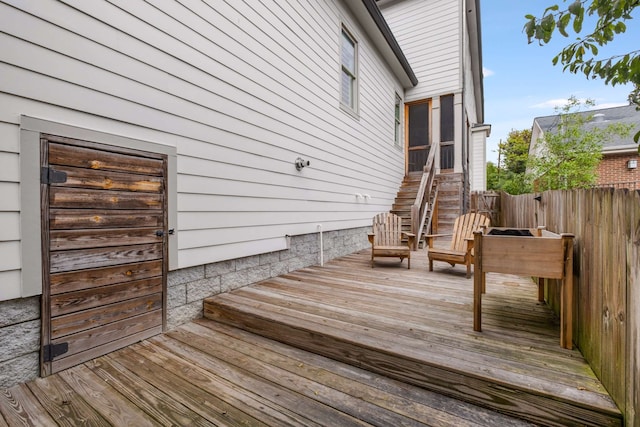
(429, 31)
(240, 88)
(478, 171)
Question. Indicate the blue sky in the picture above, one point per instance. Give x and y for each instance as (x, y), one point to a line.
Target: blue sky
(521, 83)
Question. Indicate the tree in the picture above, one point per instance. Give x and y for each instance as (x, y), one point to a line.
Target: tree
(568, 155)
(515, 150)
(510, 174)
(581, 55)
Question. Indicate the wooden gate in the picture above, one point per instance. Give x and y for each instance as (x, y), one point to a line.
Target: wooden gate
(104, 249)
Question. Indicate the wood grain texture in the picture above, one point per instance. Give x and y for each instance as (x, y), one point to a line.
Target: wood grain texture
(86, 279)
(91, 238)
(104, 314)
(65, 219)
(79, 259)
(66, 197)
(95, 297)
(104, 180)
(605, 275)
(407, 326)
(101, 159)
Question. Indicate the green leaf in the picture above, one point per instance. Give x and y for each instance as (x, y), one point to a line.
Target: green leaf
(562, 24)
(576, 8)
(577, 21)
(554, 8)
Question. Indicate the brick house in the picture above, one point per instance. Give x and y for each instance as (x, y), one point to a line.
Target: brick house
(619, 165)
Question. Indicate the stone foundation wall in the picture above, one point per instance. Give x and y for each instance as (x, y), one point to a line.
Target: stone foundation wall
(186, 289)
(19, 340)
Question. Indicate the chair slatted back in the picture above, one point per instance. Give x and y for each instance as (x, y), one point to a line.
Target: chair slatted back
(464, 227)
(387, 230)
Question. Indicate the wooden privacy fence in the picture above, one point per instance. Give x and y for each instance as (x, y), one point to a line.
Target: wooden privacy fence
(606, 223)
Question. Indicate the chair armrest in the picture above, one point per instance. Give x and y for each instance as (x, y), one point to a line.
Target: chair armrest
(410, 238)
(470, 243)
(370, 236)
(430, 238)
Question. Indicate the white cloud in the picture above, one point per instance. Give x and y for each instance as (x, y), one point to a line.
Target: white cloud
(487, 72)
(551, 103)
(561, 102)
(609, 105)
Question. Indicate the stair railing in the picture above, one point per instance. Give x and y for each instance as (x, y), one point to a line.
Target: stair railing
(421, 207)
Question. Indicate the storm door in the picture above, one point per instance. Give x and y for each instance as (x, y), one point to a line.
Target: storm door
(104, 249)
(419, 136)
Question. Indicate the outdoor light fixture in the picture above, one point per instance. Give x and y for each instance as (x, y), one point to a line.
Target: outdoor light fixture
(301, 163)
(632, 164)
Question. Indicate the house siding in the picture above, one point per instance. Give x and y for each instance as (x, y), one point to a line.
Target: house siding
(241, 90)
(428, 31)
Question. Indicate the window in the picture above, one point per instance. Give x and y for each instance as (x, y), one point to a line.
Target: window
(446, 118)
(348, 86)
(397, 127)
(419, 134)
(447, 112)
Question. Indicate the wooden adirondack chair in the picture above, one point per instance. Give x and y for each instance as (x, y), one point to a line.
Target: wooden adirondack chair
(386, 238)
(461, 249)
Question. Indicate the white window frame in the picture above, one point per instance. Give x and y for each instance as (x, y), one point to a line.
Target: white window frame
(397, 120)
(353, 74)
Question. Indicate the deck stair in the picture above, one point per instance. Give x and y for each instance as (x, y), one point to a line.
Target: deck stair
(449, 201)
(406, 197)
(415, 327)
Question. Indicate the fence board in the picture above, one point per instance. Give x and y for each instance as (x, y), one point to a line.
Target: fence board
(606, 224)
(632, 362)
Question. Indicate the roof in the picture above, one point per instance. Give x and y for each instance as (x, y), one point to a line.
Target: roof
(602, 118)
(376, 27)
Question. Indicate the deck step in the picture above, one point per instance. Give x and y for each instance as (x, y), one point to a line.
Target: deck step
(375, 322)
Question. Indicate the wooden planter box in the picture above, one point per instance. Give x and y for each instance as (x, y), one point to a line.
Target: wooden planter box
(543, 255)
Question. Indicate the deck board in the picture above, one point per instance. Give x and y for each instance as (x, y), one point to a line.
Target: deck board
(416, 326)
(211, 373)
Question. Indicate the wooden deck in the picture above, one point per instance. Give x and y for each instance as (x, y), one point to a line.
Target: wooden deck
(401, 347)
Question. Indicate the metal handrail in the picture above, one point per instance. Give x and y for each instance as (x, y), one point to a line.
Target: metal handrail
(420, 207)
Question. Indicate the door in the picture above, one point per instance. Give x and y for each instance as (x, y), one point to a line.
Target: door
(104, 251)
(419, 136)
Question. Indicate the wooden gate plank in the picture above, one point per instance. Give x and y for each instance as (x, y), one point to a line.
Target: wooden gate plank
(103, 257)
(65, 219)
(107, 180)
(65, 197)
(72, 155)
(104, 315)
(100, 238)
(110, 332)
(87, 279)
(94, 297)
(102, 349)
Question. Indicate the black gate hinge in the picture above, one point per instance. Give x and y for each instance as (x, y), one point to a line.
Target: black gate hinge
(51, 176)
(50, 351)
